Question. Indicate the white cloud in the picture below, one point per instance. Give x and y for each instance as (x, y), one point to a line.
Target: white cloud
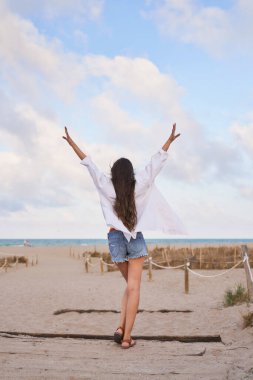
(118, 125)
(139, 77)
(29, 60)
(121, 80)
(44, 189)
(38, 168)
(139, 83)
(216, 30)
(34, 169)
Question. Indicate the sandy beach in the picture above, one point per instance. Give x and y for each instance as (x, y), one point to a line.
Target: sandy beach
(31, 295)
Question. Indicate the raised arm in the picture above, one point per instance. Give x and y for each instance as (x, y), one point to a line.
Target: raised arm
(73, 145)
(101, 181)
(147, 175)
(171, 138)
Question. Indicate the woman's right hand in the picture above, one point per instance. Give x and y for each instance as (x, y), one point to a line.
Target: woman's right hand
(67, 137)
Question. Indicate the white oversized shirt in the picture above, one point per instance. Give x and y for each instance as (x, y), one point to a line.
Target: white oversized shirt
(153, 211)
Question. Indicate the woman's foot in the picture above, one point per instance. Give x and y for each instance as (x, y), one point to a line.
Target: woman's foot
(118, 335)
(127, 343)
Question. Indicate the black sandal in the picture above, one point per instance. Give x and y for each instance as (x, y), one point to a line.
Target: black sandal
(118, 336)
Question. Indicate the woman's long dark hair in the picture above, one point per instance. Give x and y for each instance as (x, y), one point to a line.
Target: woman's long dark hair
(123, 180)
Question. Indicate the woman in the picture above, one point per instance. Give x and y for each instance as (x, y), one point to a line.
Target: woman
(131, 203)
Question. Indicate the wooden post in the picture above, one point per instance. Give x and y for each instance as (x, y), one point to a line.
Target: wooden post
(167, 258)
(249, 277)
(101, 265)
(200, 258)
(86, 265)
(150, 268)
(89, 260)
(218, 255)
(6, 265)
(186, 277)
(37, 260)
(234, 255)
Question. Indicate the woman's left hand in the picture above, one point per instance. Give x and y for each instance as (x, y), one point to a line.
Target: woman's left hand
(67, 137)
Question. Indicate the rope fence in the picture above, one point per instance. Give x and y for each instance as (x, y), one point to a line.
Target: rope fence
(9, 265)
(86, 258)
(165, 267)
(87, 262)
(19, 259)
(213, 275)
(4, 266)
(108, 264)
(249, 277)
(245, 261)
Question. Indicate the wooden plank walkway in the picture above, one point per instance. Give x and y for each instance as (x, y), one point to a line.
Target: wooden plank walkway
(30, 358)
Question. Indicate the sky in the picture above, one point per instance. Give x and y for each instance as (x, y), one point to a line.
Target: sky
(118, 74)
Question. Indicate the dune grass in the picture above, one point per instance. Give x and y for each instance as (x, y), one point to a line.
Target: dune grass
(237, 296)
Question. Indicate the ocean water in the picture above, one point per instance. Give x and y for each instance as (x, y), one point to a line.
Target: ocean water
(72, 242)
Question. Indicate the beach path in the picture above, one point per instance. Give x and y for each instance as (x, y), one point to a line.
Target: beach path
(30, 297)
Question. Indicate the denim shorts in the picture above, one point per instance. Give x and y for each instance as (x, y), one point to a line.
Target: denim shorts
(121, 249)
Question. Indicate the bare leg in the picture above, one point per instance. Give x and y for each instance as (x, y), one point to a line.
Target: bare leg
(123, 267)
(135, 267)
